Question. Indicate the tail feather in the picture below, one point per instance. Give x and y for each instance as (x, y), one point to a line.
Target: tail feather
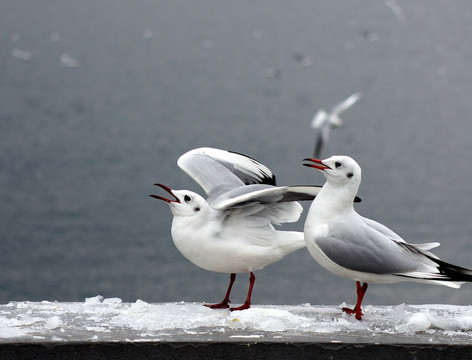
(452, 272)
(446, 274)
(289, 241)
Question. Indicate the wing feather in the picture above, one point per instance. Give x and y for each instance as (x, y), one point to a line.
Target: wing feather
(372, 248)
(217, 171)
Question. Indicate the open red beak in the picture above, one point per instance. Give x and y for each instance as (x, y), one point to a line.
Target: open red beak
(321, 166)
(169, 190)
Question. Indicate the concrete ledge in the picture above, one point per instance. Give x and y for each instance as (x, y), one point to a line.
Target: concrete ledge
(234, 350)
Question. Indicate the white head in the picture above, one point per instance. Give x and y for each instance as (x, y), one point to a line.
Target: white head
(340, 171)
(185, 202)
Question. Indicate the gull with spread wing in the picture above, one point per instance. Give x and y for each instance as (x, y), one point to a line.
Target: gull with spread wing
(232, 230)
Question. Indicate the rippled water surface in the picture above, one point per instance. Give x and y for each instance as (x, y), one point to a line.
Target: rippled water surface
(98, 99)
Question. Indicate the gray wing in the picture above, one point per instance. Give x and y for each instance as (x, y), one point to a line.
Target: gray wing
(368, 246)
(262, 194)
(305, 192)
(218, 171)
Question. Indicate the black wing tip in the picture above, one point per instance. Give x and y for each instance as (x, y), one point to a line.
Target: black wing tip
(268, 180)
(453, 272)
(246, 156)
(265, 179)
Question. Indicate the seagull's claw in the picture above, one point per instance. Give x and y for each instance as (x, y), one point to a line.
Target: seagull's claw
(221, 305)
(349, 311)
(242, 307)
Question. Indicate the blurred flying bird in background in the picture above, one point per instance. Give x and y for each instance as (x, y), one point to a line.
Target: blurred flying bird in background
(323, 122)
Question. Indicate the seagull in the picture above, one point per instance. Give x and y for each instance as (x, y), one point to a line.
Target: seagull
(323, 121)
(362, 249)
(232, 230)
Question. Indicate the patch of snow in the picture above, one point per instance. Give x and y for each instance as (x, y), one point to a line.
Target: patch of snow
(115, 301)
(100, 319)
(94, 300)
(246, 336)
(139, 306)
(418, 322)
(267, 320)
(11, 332)
(53, 323)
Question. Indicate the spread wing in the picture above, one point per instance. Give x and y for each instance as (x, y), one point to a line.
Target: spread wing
(233, 180)
(262, 194)
(218, 171)
(346, 104)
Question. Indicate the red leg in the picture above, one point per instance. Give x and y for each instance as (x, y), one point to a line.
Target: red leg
(247, 304)
(361, 290)
(225, 303)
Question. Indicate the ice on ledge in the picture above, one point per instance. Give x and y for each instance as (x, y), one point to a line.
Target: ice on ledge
(100, 319)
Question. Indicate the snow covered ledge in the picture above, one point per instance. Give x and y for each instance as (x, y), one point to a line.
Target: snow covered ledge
(107, 328)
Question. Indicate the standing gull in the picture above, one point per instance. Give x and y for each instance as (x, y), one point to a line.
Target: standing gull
(232, 231)
(361, 249)
(323, 121)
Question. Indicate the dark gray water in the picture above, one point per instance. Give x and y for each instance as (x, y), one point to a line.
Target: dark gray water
(81, 143)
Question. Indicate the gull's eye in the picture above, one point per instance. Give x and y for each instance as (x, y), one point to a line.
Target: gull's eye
(338, 164)
(187, 198)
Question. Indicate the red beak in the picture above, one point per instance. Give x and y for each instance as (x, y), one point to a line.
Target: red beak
(321, 166)
(169, 190)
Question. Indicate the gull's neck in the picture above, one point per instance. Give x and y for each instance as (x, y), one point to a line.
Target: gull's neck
(332, 201)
